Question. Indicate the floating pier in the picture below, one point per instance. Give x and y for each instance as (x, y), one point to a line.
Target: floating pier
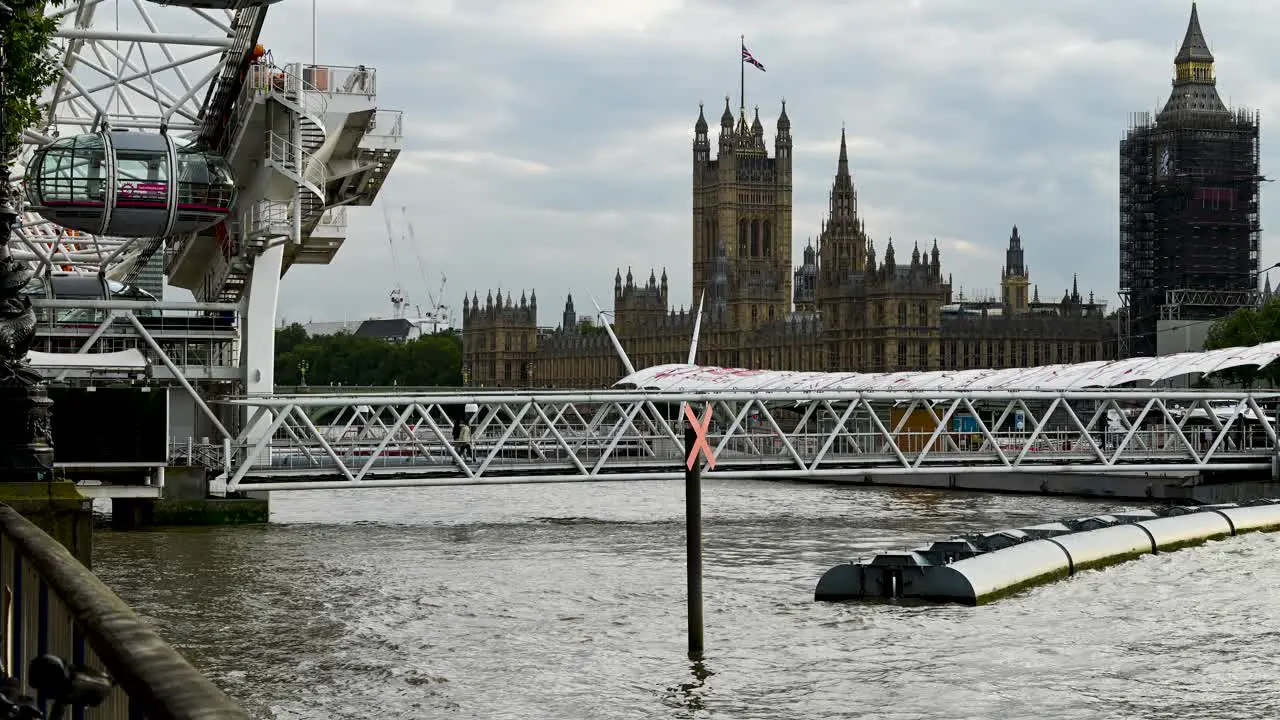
(978, 569)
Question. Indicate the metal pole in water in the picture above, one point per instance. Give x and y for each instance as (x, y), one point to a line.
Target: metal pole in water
(693, 538)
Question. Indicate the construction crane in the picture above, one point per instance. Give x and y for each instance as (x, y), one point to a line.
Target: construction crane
(397, 292)
(437, 313)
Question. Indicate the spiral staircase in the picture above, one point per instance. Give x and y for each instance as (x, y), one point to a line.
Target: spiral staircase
(298, 167)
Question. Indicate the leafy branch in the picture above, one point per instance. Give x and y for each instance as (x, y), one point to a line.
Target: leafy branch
(1243, 328)
(29, 68)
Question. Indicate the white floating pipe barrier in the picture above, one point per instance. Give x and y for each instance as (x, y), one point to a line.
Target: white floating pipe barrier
(978, 569)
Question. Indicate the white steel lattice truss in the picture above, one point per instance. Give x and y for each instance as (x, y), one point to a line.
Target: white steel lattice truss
(318, 442)
(135, 65)
(1058, 418)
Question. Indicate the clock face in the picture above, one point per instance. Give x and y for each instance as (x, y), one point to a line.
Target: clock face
(1166, 161)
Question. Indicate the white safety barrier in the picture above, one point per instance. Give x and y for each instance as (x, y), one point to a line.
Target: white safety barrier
(1014, 561)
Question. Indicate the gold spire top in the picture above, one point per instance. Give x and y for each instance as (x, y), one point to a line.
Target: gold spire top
(1194, 61)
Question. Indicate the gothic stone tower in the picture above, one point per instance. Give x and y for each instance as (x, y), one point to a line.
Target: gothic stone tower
(805, 281)
(875, 317)
(840, 288)
(742, 221)
(1189, 225)
(1015, 280)
(843, 243)
(635, 305)
(499, 340)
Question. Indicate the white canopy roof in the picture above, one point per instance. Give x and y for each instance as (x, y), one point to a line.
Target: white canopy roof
(1079, 376)
(131, 359)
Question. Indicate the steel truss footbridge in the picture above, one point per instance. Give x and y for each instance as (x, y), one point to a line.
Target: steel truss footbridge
(303, 142)
(1089, 417)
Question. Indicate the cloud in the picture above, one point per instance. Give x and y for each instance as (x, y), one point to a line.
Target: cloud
(548, 144)
(488, 161)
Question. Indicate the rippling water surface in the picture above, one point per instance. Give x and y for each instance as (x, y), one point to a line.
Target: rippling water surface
(568, 602)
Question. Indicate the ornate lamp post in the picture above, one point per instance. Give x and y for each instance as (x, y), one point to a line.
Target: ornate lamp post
(302, 372)
(26, 438)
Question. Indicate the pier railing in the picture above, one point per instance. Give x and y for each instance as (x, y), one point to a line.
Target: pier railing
(316, 442)
(53, 604)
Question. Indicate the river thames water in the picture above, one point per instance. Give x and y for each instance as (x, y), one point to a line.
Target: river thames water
(567, 601)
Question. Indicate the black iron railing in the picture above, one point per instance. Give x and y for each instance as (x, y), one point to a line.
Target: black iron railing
(50, 603)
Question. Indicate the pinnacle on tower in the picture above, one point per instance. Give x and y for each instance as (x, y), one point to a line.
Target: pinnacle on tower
(842, 169)
(1194, 87)
(784, 122)
(700, 126)
(1194, 47)
(726, 120)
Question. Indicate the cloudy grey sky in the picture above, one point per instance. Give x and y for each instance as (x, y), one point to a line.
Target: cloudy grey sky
(548, 142)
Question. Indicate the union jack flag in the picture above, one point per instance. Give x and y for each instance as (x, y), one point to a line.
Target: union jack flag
(747, 57)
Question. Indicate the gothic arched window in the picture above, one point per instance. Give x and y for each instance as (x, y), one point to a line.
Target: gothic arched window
(767, 244)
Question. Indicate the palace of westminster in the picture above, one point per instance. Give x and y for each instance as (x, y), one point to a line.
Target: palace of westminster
(850, 305)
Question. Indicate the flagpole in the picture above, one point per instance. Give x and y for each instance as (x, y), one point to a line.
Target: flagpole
(742, 73)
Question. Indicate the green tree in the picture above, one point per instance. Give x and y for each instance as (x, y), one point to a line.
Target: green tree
(29, 67)
(1242, 328)
(27, 70)
(586, 327)
(289, 337)
(345, 359)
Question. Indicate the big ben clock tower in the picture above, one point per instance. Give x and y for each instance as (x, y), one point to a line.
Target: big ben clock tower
(1189, 228)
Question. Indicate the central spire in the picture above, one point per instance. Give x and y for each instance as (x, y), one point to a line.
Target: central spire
(1194, 47)
(1194, 85)
(842, 170)
(844, 198)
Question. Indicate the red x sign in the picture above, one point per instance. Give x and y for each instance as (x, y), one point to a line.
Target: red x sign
(700, 443)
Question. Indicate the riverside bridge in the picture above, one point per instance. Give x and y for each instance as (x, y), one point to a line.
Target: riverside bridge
(1120, 417)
